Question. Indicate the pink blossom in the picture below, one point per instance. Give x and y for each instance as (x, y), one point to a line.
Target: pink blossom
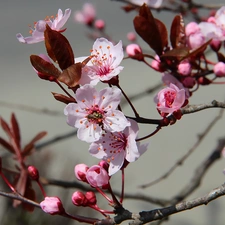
(37, 33)
(94, 112)
(97, 176)
(219, 69)
(170, 99)
(168, 79)
(105, 62)
(52, 205)
(80, 171)
(86, 15)
(184, 68)
(117, 147)
(151, 3)
(79, 199)
(191, 28)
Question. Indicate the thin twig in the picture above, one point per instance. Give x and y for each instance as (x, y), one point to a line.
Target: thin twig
(183, 158)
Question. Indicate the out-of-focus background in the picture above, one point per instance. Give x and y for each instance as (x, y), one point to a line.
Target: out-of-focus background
(19, 85)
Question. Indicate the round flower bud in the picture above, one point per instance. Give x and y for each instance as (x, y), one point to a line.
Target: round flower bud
(99, 24)
(79, 199)
(52, 205)
(219, 69)
(131, 36)
(134, 51)
(91, 198)
(80, 171)
(33, 173)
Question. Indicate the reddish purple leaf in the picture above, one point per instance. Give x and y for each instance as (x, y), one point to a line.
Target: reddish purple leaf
(63, 98)
(58, 48)
(5, 144)
(29, 147)
(6, 128)
(15, 129)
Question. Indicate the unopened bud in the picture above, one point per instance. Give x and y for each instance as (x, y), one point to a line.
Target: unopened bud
(135, 52)
(79, 199)
(80, 171)
(99, 24)
(33, 173)
(219, 69)
(91, 198)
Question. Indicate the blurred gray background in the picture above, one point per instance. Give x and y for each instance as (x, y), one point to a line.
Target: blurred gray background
(20, 85)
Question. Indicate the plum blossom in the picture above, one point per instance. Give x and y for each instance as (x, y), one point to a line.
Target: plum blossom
(170, 99)
(104, 64)
(94, 112)
(37, 33)
(86, 15)
(167, 79)
(151, 3)
(80, 171)
(97, 176)
(117, 147)
(52, 205)
(79, 199)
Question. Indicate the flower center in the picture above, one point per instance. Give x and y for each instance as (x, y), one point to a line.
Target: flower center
(169, 98)
(102, 61)
(118, 143)
(95, 115)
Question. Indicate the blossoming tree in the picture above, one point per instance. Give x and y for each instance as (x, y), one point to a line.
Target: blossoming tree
(97, 115)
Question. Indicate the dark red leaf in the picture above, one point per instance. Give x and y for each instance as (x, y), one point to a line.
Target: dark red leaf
(177, 53)
(15, 129)
(71, 75)
(5, 144)
(163, 32)
(177, 32)
(58, 48)
(63, 98)
(30, 194)
(146, 26)
(46, 70)
(29, 147)
(6, 128)
(221, 57)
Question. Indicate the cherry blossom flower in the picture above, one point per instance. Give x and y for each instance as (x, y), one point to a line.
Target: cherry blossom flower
(117, 147)
(37, 33)
(97, 176)
(170, 99)
(86, 15)
(105, 62)
(151, 3)
(52, 205)
(94, 112)
(167, 79)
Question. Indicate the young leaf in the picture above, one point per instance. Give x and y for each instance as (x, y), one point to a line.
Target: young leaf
(6, 128)
(147, 27)
(63, 98)
(58, 48)
(45, 69)
(177, 32)
(29, 147)
(5, 144)
(15, 129)
(71, 75)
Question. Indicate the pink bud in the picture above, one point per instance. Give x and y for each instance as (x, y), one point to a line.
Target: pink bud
(104, 165)
(91, 198)
(134, 51)
(215, 44)
(97, 176)
(52, 205)
(33, 173)
(80, 171)
(211, 19)
(219, 69)
(196, 40)
(184, 68)
(79, 199)
(156, 64)
(131, 36)
(191, 28)
(99, 24)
